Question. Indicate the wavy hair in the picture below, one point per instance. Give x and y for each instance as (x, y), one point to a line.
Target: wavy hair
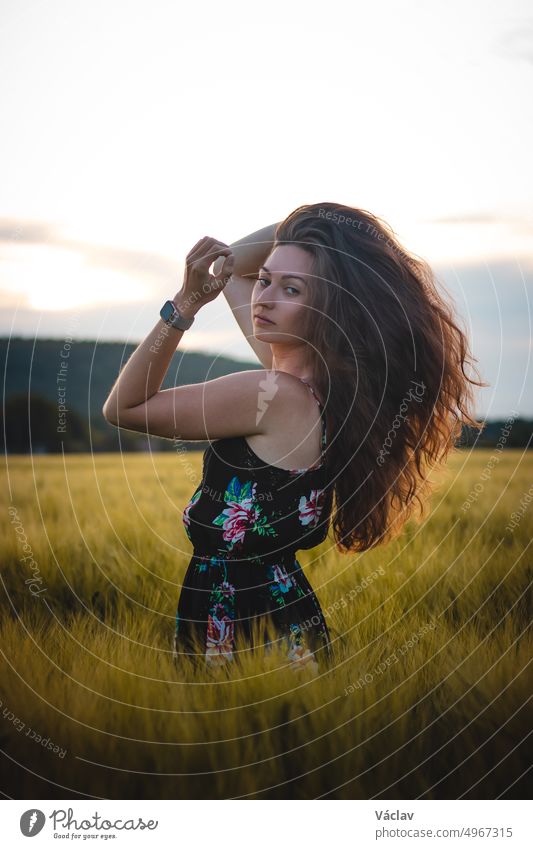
(388, 357)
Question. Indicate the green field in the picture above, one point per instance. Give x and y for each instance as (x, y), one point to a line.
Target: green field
(428, 697)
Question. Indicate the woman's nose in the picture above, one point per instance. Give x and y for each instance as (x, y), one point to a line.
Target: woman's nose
(264, 298)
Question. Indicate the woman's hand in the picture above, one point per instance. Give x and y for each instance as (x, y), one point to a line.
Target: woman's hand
(199, 287)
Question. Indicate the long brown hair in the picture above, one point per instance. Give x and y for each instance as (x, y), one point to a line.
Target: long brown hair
(388, 357)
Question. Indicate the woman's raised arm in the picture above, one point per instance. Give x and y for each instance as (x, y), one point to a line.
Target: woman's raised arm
(250, 252)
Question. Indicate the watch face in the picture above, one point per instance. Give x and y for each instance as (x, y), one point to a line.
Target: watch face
(167, 311)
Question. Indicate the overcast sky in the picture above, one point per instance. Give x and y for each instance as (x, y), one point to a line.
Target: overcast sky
(131, 130)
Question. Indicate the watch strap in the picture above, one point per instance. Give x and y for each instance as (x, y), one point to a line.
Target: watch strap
(172, 316)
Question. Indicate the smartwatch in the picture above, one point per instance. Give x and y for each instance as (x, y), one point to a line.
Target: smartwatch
(172, 316)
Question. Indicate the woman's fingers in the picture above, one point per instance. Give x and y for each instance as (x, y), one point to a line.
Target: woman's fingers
(204, 254)
(201, 264)
(197, 249)
(208, 249)
(223, 266)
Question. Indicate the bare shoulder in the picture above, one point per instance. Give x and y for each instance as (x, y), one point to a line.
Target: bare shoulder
(281, 398)
(291, 438)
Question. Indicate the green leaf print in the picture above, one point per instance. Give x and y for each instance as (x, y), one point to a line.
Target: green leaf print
(263, 528)
(236, 491)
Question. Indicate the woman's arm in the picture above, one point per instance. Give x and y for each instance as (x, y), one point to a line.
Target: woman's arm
(249, 252)
(216, 409)
(141, 378)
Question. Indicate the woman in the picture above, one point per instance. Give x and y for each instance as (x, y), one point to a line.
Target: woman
(363, 390)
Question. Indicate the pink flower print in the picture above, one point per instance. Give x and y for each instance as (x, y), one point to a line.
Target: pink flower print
(311, 508)
(239, 517)
(226, 590)
(301, 657)
(220, 634)
(192, 502)
(242, 513)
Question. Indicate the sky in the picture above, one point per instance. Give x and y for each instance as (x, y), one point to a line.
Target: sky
(131, 130)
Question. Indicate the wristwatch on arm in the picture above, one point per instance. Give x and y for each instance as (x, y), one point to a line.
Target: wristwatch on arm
(173, 318)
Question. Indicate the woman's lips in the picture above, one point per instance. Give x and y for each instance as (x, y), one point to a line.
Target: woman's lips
(263, 320)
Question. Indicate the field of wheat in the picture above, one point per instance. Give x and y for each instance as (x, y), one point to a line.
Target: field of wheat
(428, 696)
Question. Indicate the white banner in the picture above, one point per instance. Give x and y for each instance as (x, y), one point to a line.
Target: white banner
(272, 825)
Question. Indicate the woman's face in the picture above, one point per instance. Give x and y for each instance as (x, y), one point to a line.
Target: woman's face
(280, 296)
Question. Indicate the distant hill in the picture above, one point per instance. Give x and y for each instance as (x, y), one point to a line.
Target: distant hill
(41, 374)
(80, 374)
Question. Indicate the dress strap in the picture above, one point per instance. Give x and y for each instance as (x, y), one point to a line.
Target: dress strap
(312, 390)
(322, 417)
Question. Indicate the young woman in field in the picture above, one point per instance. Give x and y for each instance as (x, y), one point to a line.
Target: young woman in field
(363, 390)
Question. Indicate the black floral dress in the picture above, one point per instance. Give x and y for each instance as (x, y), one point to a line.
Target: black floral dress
(246, 520)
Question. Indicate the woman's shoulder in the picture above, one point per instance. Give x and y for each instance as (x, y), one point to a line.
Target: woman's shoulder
(280, 427)
(275, 379)
(280, 400)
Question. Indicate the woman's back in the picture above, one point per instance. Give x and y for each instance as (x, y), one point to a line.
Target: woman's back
(246, 520)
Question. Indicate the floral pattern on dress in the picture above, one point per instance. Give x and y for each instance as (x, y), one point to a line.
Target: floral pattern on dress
(242, 513)
(283, 581)
(299, 654)
(311, 508)
(220, 625)
(280, 585)
(186, 517)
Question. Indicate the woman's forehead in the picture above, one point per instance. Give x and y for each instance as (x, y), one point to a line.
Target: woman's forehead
(285, 259)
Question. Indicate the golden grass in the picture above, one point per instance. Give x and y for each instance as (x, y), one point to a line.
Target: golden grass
(88, 666)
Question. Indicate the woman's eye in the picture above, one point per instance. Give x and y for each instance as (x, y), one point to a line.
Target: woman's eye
(264, 279)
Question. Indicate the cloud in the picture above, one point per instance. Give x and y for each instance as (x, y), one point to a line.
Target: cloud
(126, 260)
(466, 218)
(516, 42)
(515, 224)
